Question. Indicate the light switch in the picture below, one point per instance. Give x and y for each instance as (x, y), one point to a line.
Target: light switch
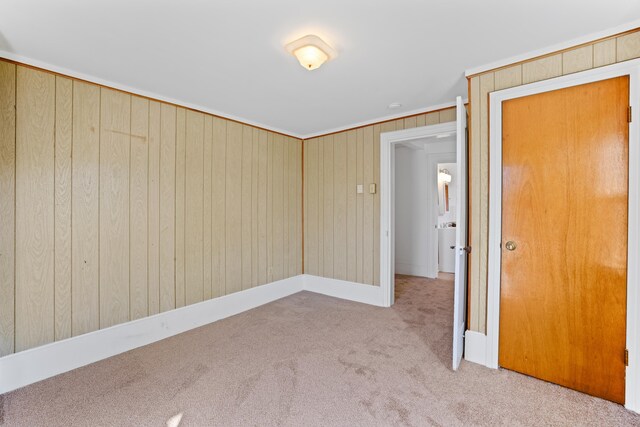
(359, 188)
(372, 189)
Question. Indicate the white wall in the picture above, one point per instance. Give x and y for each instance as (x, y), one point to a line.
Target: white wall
(416, 205)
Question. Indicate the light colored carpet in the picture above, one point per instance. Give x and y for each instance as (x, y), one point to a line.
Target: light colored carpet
(308, 360)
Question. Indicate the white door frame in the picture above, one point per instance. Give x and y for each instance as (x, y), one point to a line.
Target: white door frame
(631, 68)
(387, 205)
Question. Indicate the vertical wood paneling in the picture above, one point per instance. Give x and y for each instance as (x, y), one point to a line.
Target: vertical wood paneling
(194, 208)
(245, 202)
(115, 145)
(138, 208)
(376, 204)
(7, 205)
(270, 145)
(234, 208)
(262, 207)
(35, 176)
(180, 207)
(508, 77)
(294, 207)
(486, 86)
(85, 209)
(168, 120)
(432, 118)
(62, 207)
(352, 211)
(579, 59)
(255, 171)
(475, 161)
(299, 206)
(278, 223)
(448, 115)
(153, 227)
(340, 206)
(285, 206)
(628, 47)
(208, 206)
(218, 263)
(311, 203)
(367, 230)
(127, 207)
(328, 204)
(410, 122)
(541, 69)
(321, 208)
(604, 53)
(360, 206)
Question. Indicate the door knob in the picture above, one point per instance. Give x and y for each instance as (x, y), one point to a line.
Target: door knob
(511, 245)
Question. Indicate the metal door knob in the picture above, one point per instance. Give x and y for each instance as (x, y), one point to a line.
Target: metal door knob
(510, 245)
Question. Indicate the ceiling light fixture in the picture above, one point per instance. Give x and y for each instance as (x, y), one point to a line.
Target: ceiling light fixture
(394, 105)
(311, 51)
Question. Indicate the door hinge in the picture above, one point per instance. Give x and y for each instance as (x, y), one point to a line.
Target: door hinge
(626, 357)
(629, 115)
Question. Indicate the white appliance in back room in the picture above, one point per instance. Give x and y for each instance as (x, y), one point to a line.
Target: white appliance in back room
(446, 216)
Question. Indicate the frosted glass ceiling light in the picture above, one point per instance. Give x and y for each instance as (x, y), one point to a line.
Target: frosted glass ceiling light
(311, 51)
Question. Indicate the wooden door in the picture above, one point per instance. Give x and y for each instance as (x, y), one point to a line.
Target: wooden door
(565, 191)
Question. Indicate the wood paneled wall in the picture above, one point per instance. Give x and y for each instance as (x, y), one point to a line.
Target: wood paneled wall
(597, 54)
(115, 207)
(341, 227)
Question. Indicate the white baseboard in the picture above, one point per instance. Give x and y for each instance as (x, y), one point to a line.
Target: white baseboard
(419, 270)
(36, 364)
(475, 347)
(343, 289)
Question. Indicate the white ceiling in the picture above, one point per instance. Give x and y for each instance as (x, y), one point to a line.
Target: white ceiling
(228, 56)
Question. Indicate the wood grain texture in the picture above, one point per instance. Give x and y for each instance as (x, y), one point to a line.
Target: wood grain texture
(255, 171)
(153, 227)
(359, 205)
(278, 223)
(628, 47)
(541, 69)
(194, 208)
(311, 203)
(340, 206)
(138, 209)
(352, 211)
(167, 250)
(7, 205)
(263, 172)
(376, 200)
(246, 252)
(35, 177)
(475, 161)
(208, 207)
(604, 53)
(181, 206)
(115, 150)
(62, 207)
(85, 216)
(508, 77)
(367, 221)
(129, 207)
(234, 208)
(560, 282)
(579, 59)
(218, 263)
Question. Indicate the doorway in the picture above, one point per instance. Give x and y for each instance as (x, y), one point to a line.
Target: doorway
(562, 298)
(388, 142)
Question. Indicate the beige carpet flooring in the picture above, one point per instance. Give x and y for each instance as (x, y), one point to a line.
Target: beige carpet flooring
(308, 360)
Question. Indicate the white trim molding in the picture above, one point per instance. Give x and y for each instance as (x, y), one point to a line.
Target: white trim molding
(475, 347)
(366, 294)
(39, 363)
(387, 200)
(554, 48)
(632, 69)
